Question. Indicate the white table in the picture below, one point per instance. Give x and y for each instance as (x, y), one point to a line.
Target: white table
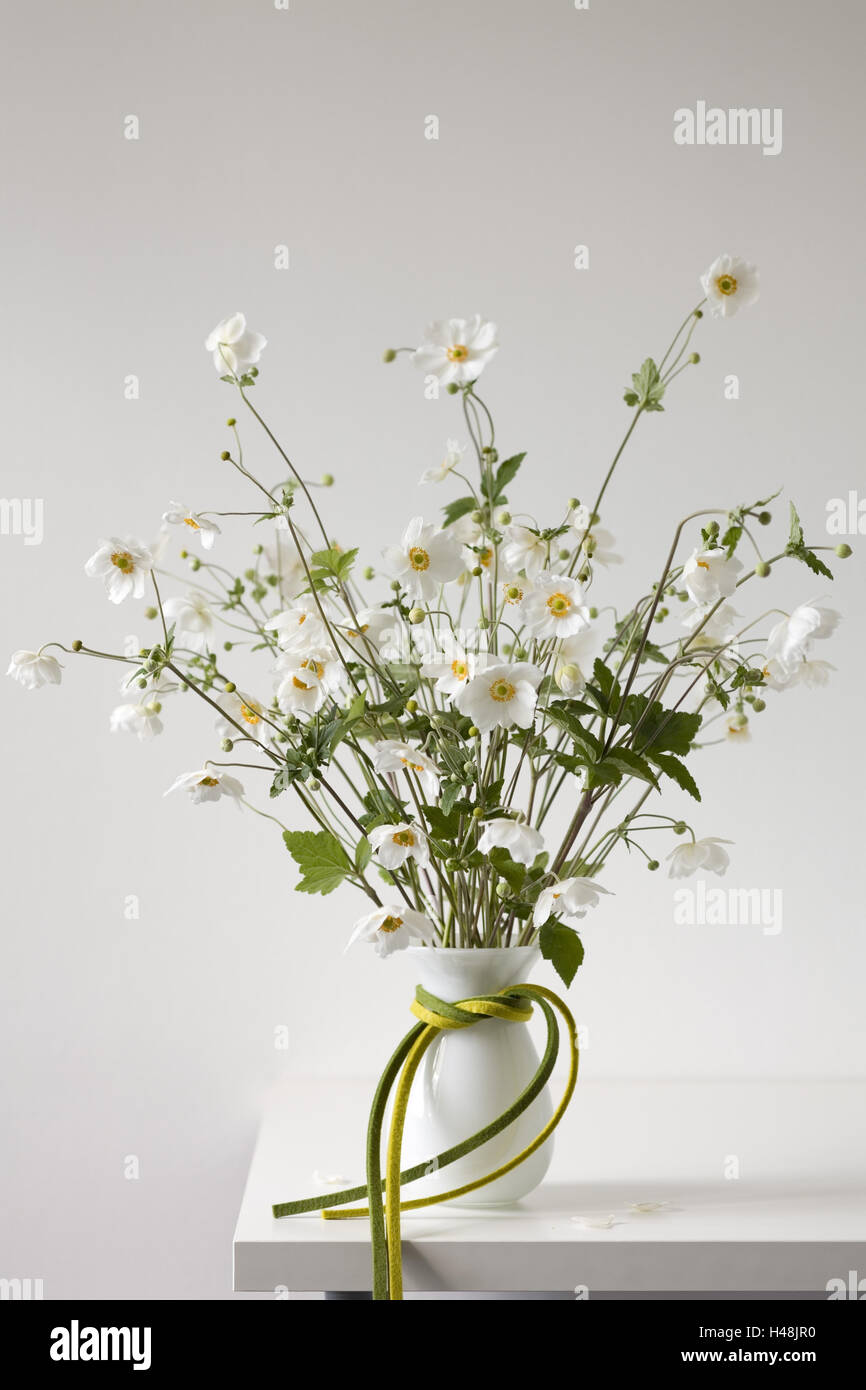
(794, 1218)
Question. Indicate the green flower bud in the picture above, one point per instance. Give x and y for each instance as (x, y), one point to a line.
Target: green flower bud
(258, 549)
(250, 575)
(699, 313)
(695, 358)
(758, 705)
(225, 455)
(184, 554)
(765, 518)
(502, 889)
(469, 769)
(573, 503)
(395, 585)
(226, 745)
(155, 707)
(564, 554)
(679, 827)
(583, 576)
(593, 613)
(327, 480)
(389, 355)
(195, 564)
(369, 573)
(417, 615)
(452, 865)
(254, 371)
(77, 644)
(227, 646)
(142, 684)
(476, 516)
(142, 651)
(473, 732)
(411, 706)
(150, 613)
(652, 865)
(477, 813)
(231, 421)
(503, 517)
(491, 454)
(452, 388)
(477, 570)
(229, 687)
(762, 569)
(843, 551)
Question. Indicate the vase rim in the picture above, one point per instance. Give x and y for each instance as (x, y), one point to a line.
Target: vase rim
(471, 950)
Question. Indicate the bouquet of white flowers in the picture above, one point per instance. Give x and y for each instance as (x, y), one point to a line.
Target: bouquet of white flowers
(428, 733)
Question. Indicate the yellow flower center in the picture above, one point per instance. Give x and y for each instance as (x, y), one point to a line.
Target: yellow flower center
(513, 593)
(190, 521)
(558, 604)
(124, 561)
(299, 684)
(250, 715)
(458, 353)
(357, 632)
(726, 284)
(391, 924)
(502, 691)
(209, 782)
(310, 665)
(702, 565)
(485, 556)
(414, 767)
(418, 558)
(459, 669)
(404, 837)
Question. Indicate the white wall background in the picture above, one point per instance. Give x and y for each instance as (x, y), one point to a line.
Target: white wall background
(258, 127)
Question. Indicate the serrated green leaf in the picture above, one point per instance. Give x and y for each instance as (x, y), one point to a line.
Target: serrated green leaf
(562, 946)
(513, 873)
(632, 764)
(677, 771)
(363, 854)
(320, 857)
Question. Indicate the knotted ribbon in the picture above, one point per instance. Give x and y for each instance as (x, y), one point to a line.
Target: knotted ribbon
(512, 1005)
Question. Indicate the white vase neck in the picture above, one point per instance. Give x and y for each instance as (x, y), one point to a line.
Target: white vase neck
(453, 973)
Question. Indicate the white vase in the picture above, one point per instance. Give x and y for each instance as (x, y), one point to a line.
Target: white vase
(469, 1076)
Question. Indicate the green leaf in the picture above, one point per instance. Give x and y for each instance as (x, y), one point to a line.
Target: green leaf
(333, 563)
(573, 727)
(320, 857)
(810, 559)
(604, 774)
(513, 873)
(677, 771)
(648, 387)
(505, 474)
(660, 730)
(631, 764)
(795, 535)
(562, 946)
(363, 854)
(451, 793)
(459, 507)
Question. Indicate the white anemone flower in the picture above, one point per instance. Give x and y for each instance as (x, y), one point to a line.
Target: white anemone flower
(456, 350)
(569, 898)
(234, 347)
(392, 755)
(719, 628)
(555, 607)
(737, 728)
(709, 575)
(598, 546)
(34, 669)
(424, 559)
(452, 459)
(304, 683)
(208, 784)
(380, 629)
(501, 695)
(465, 530)
(452, 668)
(392, 928)
(193, 621)
(123, 565)
(179, 515)
(573, 658)
(730, 284)
(790, 640)
(705, 854)
(141, 719)
(244, 710)
(480, 557)
(300, 628)
(523, 549)
(394, 844)
(522, 842)
(513, 593)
